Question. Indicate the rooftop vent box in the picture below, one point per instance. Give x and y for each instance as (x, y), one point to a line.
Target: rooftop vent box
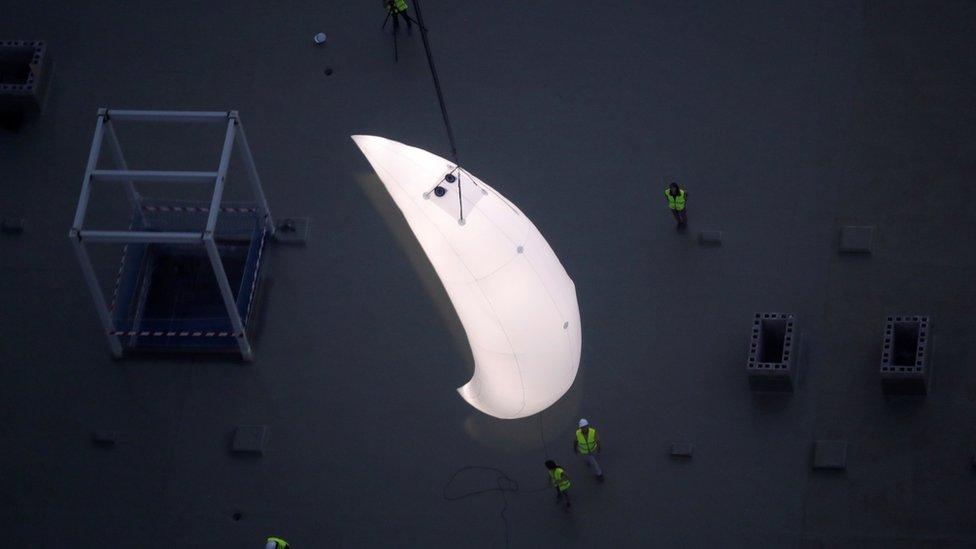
(24, 75)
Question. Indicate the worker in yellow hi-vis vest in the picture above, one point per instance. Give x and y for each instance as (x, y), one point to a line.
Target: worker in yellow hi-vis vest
(587, 445)
(276, 543)
(559, 480)
(397, 9)
(677, 203)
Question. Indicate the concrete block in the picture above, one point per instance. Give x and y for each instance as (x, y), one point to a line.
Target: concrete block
(773, 350)
(856, 239)
(12, 225)
(105, 437)
(292, 230)
(25, 70)
(682, 449)
(905, 354)
(250, 439)
(711, 237)
(830, 454)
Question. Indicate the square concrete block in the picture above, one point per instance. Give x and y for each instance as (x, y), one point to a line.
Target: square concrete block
(830, 454)
(905, 354)
(24, 75)
(856, 239)
(250, 439)
(292, 230)
(773, 348)
(711, 237)
(682, 449)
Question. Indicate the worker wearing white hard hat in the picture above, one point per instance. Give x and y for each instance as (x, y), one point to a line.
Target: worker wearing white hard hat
(276, 543)
(587, 445)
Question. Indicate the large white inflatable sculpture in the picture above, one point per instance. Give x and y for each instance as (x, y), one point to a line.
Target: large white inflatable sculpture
(516, 302)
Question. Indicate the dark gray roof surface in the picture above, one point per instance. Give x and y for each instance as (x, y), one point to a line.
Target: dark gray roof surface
(784, 120)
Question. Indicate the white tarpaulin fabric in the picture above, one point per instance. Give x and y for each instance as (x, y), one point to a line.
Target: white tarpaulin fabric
(513, 296)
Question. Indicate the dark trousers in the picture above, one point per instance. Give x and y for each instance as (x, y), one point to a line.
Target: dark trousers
(560, 494)
(396, 20)
(681, 216)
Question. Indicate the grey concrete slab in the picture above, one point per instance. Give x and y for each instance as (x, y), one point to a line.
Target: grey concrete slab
(250, 439)
(784, 121)
(682, 449)
(106, 437)
(711, 237)
(830, 455)
(856, 238)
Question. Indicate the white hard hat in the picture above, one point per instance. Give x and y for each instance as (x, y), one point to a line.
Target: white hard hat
(270, 545)
(583, 422)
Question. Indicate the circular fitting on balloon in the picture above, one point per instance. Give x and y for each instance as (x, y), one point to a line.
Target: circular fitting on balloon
(450, 178)
(439, 191)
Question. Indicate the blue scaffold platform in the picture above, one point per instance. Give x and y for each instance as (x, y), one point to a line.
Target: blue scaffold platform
(166, 296)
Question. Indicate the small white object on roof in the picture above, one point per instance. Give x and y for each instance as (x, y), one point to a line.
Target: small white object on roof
(513, 296)
(320, 38)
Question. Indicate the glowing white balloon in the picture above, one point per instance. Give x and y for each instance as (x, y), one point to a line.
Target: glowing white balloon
(513, 296)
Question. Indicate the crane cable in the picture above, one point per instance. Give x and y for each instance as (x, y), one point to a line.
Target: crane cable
(440, 100)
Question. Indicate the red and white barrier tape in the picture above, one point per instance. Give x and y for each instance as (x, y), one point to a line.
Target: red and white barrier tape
(196, 209)
(174, 334)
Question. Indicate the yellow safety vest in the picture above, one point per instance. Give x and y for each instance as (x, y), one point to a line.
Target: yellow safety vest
(279, 543)
(559, 479)
(587, 444)
(399, 6)
(675, 202)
